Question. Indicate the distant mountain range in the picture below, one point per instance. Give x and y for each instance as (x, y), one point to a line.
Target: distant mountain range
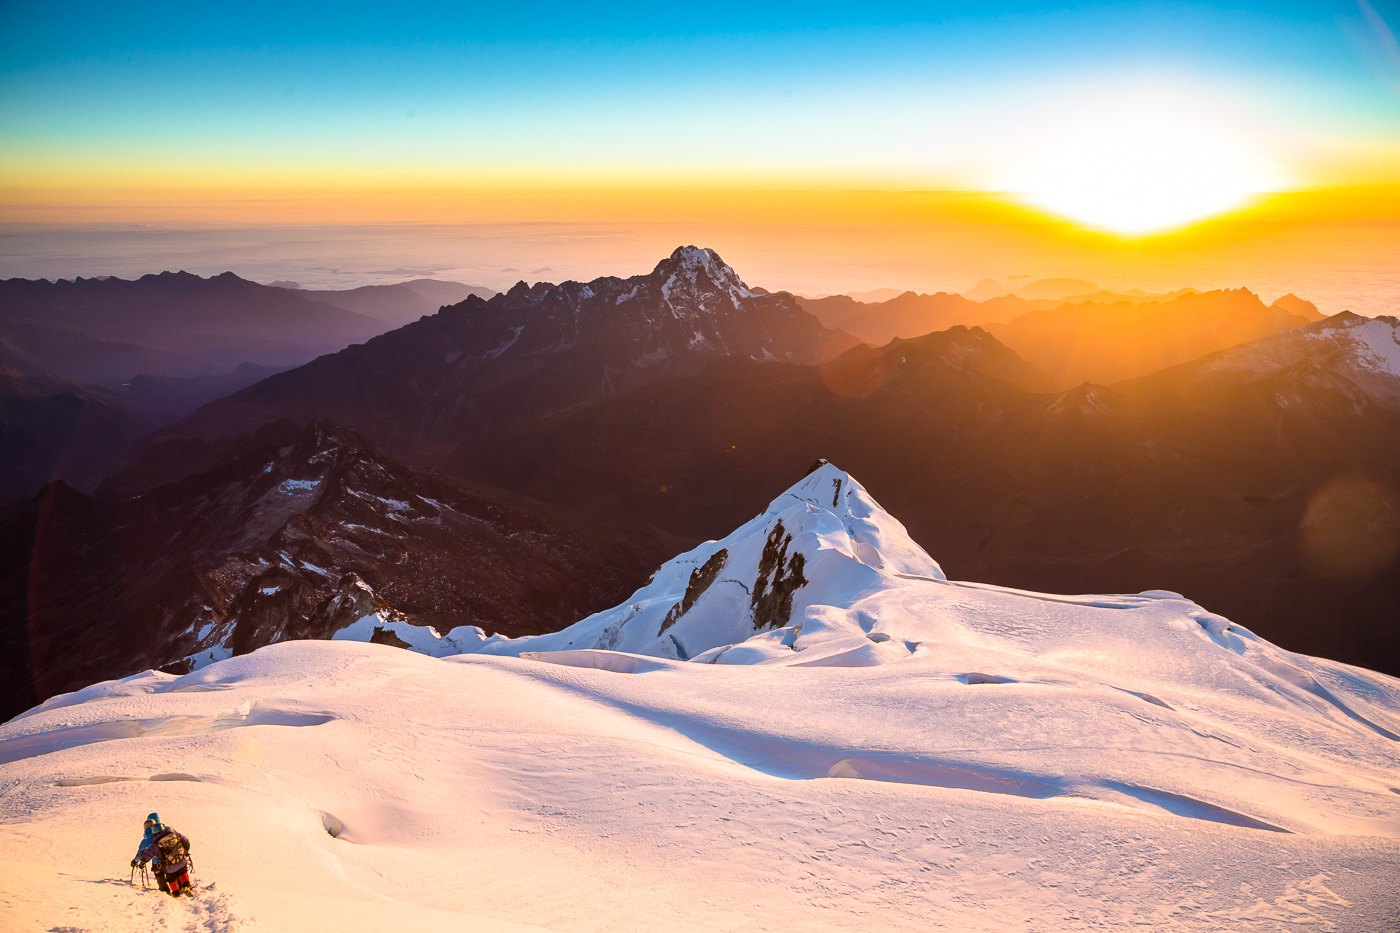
(198, 326)
(400, 303)
(108, 330)
(623, 420)
(1098, 337)
(534, 350)
(1060, 289)
(92, 364)
(1104, 342)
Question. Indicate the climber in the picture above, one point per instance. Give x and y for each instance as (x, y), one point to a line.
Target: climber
(169, 855)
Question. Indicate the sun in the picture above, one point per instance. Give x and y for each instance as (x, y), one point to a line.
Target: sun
(1142, 175)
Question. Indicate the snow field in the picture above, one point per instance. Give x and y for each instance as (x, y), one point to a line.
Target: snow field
(482, 790)
(803, 726)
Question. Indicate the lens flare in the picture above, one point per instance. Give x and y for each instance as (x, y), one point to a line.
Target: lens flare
(1351, 528)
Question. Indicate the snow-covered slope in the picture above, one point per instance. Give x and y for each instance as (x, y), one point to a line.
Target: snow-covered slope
(891, 747)
(1371, 344)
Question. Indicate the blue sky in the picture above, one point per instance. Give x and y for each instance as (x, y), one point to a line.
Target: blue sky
(908, 92)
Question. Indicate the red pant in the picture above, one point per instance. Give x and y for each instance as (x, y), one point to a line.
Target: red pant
(174, 885)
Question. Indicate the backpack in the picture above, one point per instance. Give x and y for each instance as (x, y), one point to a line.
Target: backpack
(170, 850)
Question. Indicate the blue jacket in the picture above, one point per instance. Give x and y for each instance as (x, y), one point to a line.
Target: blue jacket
(150, 833)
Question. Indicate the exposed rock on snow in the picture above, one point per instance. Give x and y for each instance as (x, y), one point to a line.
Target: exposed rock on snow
(1372, 343)
(696, 278)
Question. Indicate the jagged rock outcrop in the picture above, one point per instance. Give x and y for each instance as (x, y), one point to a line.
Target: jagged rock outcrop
(310, 534)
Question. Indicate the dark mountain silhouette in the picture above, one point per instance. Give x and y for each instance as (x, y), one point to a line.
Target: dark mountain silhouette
(309, 533)
(439, 381)
(187, 324)
(92, 364)
(688, 454)
(37, 348)
(55, 428)
(167, 398)
(400, 303)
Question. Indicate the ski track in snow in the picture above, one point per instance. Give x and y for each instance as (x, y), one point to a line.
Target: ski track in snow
(115, 905)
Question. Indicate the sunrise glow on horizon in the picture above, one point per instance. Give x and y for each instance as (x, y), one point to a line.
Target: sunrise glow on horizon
(1216, 104)
(825, 147)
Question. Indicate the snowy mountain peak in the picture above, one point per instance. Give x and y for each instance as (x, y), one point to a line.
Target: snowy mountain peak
(819, 547)
(1372, 343)
(1358, 356)
(690, 260)
(694, 273)
(875, 537)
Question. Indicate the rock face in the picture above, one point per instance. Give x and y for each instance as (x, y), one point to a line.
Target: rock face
(534, 350)
(310, 534)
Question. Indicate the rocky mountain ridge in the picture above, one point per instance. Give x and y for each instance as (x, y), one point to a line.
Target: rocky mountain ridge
(308, 534)
(537, 349)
